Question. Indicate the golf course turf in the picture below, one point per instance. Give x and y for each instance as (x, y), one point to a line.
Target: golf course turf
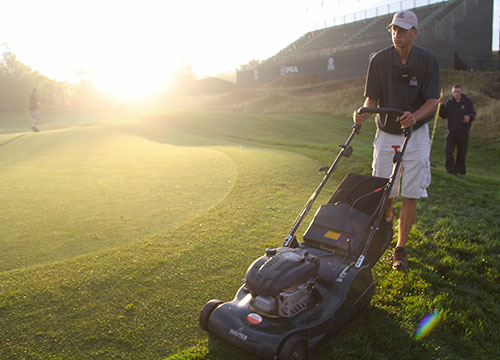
(117, 231)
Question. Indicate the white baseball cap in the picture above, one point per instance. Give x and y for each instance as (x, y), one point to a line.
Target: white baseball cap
(405, 19)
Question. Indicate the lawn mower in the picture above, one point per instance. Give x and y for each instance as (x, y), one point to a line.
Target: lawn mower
(298, 296)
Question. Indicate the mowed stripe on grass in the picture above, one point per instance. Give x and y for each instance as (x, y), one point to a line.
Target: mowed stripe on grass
(70, 192)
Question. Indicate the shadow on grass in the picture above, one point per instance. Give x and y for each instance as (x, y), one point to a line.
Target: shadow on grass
(375, 334)
(219, 349)
(11, 140)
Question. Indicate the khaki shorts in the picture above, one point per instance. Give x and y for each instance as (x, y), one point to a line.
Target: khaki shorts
(415, 168)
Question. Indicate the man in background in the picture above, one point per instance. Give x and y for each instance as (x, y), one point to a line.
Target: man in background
(460, 112)
(33, 107)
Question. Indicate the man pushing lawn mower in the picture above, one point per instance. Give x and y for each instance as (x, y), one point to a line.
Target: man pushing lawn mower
(298, 296)
(406, 77)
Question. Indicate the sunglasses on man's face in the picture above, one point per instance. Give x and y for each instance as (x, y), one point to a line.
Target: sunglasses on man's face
(398, 29)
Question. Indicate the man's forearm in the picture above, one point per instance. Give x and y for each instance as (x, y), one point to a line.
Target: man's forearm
(369, 102)
(426, 109)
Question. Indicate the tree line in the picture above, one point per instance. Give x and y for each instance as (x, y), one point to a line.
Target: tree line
(17, 80)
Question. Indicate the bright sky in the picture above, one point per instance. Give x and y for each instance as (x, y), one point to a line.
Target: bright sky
(129, 46)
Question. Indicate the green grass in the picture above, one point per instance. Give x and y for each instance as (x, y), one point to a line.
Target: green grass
(455, 254)
(84, 189)
(139, 296)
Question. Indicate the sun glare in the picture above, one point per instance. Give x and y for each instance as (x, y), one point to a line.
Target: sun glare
(135, 83)
(136, 75)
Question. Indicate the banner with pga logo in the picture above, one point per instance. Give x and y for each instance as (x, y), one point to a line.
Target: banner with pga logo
(285, 70)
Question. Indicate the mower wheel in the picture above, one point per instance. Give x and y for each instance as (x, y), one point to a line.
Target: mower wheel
(294, 348)
(207, 311)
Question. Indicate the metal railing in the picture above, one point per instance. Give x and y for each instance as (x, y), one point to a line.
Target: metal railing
(389, 8)
(297, 54)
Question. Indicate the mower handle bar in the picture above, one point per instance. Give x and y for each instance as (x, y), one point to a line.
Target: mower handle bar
(385, 111)
(346, 151)
(380, 110)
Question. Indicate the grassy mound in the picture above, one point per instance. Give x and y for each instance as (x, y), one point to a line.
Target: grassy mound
(312, 95)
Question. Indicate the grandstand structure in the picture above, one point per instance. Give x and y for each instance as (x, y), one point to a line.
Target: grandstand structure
(458, 32)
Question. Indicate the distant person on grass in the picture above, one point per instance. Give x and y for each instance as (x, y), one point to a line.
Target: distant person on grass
(460, 112)
(33, 107)
(406, 77)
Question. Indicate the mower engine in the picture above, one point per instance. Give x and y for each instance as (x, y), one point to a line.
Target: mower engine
(282, 282)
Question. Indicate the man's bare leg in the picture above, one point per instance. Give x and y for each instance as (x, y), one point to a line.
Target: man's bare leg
(406, 219)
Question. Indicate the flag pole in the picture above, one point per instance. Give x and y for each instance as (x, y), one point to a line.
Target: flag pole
(435, 125)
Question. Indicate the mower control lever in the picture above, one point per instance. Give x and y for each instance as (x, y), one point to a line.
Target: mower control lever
(346, 151)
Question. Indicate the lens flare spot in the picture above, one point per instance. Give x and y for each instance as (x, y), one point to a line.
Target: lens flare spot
(427, 324)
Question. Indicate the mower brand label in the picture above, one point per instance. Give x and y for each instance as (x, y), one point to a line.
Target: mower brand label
(254, 318)
(332, 235)
(239, 335)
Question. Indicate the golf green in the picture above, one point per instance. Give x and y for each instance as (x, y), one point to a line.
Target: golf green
(74, 191)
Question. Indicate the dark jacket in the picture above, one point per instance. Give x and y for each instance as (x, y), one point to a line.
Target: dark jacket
(455, 111)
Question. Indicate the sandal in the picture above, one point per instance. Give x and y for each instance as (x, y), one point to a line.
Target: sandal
(400, 259)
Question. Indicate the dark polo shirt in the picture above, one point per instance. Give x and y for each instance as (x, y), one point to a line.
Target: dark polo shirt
(403, 87)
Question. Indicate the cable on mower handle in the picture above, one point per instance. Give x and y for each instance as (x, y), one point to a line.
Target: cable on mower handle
(385, 111)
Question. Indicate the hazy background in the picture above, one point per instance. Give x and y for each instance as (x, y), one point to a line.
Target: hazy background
(132, 48)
